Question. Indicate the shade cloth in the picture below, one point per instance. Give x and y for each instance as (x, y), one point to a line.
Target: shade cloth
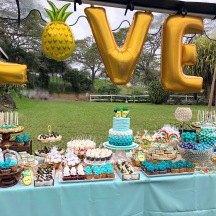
(183, 195)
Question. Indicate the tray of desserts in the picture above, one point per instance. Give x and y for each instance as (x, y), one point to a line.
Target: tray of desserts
(45, 150)
(50, 137)
(98, 156)
(86, 161)
(203, 124)
(166, 174)
(87, 174)
(167, 168)
(13, 129)
(44, 176)
(126, 171)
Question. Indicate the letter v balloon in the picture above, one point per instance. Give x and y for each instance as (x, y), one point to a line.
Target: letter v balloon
(119, 62)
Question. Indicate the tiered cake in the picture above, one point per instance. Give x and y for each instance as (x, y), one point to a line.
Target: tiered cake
(121, 134)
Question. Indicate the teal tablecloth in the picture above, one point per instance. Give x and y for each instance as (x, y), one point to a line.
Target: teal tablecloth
(188, 195)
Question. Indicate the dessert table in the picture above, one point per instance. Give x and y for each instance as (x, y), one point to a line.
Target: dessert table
(182, 195)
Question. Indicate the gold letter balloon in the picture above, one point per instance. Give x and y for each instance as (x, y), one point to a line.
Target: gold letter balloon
(119, 62)
(175, 54)
(57, 38)
(11, 73)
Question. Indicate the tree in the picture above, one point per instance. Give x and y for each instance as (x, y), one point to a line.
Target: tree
(27, 36)
(205, 62)
(79, 80)
(147, 66)
(86, 54)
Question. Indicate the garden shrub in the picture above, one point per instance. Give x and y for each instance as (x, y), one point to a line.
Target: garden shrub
(109, 89)
(157, 94)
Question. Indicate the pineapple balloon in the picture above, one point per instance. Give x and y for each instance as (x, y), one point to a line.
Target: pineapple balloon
(57, 38)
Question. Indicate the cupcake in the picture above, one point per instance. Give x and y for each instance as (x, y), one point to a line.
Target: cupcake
(25, 138)
(103, 171)
(88, 172)
(103, 157)
(110, 173)
(80, 173)
(150, 169)
(66, 174)
(13, 166)
(190, 167)
(97, 174)
(19, 141)
(162, 168)
(73, 173)
(6, 166)
(174, 168)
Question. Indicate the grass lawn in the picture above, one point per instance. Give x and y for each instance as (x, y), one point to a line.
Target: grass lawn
(72, 119)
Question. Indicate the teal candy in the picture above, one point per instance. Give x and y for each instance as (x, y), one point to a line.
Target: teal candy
(25, 137)
(207, 136)
(1, 163)
(19, 139)
(189, 137)
(12, 163)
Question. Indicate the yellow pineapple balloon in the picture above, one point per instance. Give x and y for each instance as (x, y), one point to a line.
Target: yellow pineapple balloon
(57, 38)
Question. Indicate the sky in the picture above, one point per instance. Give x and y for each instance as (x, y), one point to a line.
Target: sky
(115, 17)
(82, 28)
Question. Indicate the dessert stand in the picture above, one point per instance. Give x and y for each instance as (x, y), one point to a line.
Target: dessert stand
(12, 178)
(120, 151)
(49, 141)
(6, 133)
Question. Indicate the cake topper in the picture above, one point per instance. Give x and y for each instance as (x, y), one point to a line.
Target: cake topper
(121, 112)
(117, 111)
(125, 112)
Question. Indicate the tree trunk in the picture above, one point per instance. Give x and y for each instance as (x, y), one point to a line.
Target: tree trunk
(93, 81)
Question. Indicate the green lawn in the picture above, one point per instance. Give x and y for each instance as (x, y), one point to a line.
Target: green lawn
(72, 119)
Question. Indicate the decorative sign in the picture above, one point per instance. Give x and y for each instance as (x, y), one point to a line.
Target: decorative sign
(11, 73)
(119, 62)
(175, 54)
(57, 39)
(140, 156)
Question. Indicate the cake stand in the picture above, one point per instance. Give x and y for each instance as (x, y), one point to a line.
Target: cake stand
(120, 151)
(6, 133)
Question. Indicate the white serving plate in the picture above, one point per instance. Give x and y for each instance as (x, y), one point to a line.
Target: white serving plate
(168, 174)
(109, 146)
(96, 162)
(31, 165)
(85, 180)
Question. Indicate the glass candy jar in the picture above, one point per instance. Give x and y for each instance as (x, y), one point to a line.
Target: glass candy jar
(11, 167)
(207, 135)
